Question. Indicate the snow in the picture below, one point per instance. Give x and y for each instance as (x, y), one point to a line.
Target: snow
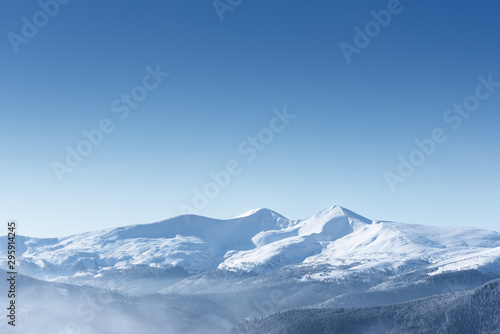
(262, 240)
(249, 213)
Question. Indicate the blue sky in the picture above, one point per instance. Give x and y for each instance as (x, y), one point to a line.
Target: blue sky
(352, 120)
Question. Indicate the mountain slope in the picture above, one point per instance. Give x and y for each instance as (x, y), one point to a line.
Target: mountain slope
(477, 311)
(46, 307)
(257, 264)
(330, 246)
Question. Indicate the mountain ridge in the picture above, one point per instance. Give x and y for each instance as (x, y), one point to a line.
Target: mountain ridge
(334, 243)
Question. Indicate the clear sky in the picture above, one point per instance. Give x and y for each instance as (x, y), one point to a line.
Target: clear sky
(88, 66)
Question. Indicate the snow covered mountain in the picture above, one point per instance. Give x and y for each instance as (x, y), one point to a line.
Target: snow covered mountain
(332, 244)
(259, 263)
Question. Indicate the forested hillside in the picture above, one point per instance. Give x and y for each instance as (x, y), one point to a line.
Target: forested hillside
(476, 311)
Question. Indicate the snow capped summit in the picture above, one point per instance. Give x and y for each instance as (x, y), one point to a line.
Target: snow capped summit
(261, 241)
(334, 222)
(261, 212)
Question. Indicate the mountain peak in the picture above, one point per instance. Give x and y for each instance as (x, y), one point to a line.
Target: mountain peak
(261, 212)
(262, 240)
(337, 210)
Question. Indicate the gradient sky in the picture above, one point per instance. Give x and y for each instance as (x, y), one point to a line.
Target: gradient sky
(352, 120)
